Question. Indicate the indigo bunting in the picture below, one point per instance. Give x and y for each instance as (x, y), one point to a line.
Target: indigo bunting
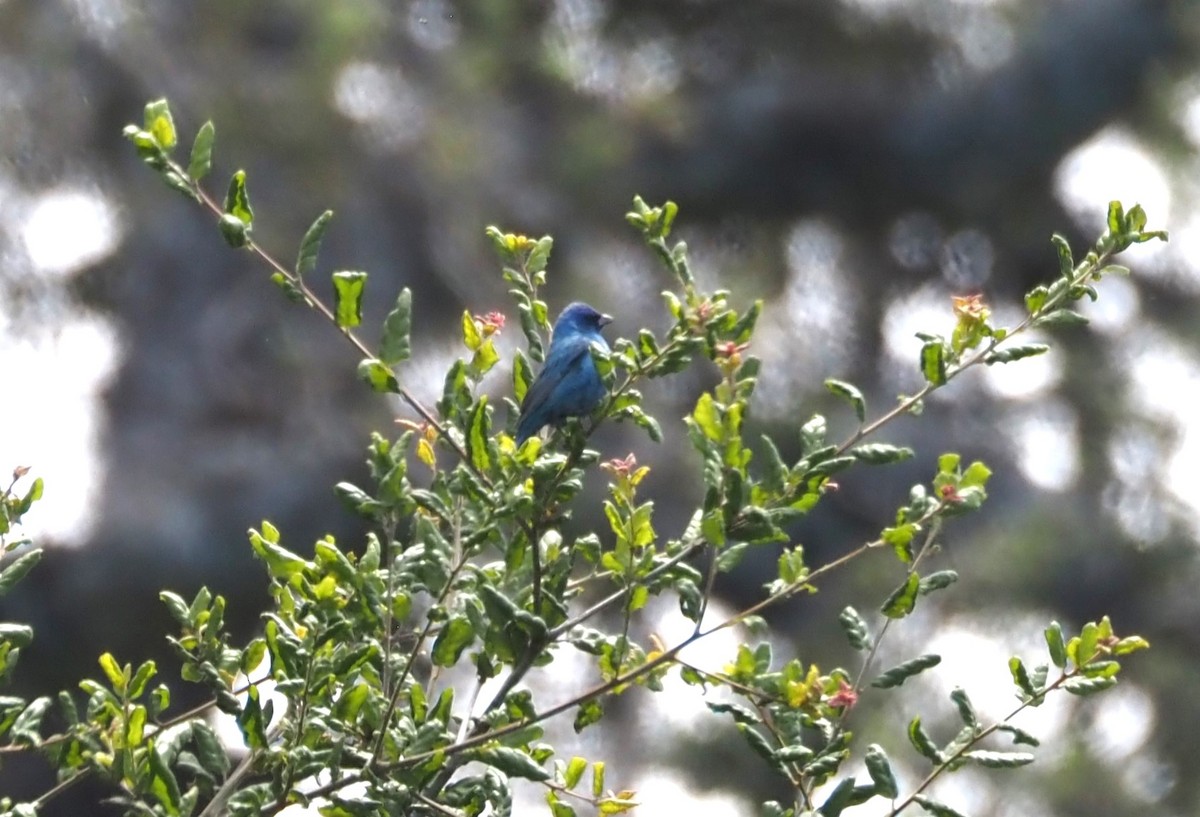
(568, 385)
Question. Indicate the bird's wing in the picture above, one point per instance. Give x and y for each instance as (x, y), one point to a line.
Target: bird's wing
(562, 359)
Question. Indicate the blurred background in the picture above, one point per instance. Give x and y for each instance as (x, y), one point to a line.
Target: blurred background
(852, 162)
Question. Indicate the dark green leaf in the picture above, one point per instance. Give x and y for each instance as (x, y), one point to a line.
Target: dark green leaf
(880, 770)
(1021, 678)
(936, 808)
(200, 162)
(27, 726)
(237, 200)
(933, 362)
(477, 439)
(900, 673)
(397, 326)
(17, 570)
(456, 635)
(902, 600)
(1019, 735)
(522, 376)
(19, 635)
(999, 760)
(1088, 686)
(310, 245)
(512, 762)
(937, 581)
(1066, 264)
(590, 712)
(812, 435)
(965, 710)
(851, 394)
(855, 628)
(1057, 644)
(838, 799)
(775, 473)
(142, 677)
(209, 750)
(253, 720)
(378, 375)
(1061, 317)
(922, 742)
(880, 453)
(1011, 353)
(236, 233)
(163, 784)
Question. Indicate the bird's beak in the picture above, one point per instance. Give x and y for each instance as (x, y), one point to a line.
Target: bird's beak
(605, 320)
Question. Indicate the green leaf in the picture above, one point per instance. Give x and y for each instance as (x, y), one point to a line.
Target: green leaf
(163, 784)
(1116, 218)
(522, 375)
(937, 581)
(378, 375)
(140, 678)
(1019, 735)
(902, 600)
(1130, 644)
(1021, 678)
(839, 799)
(281, 562)
(812, 434)
(936, 808)
(478, 438)
(456, 635)
(965, 710)
(237, 200)
(1011, 353)
(880, 453)
(236, 234)
(855, 628)
(310, 245)
(590, 711)
(160, 124)
(18, 635)
(512, 762)
(200, 162)
(574, 772)
(999, 760)
(26, 729)
(851, 394)
(253, 720)
(114, 673)
(707, 417)
(933, 362)
(348, 293)
(921, 741)
(17, 570)
(900, 673)
(1066, 264)
(395, 346)
(1035, 299)
(1061, 317)
(208, 750)
(775, 473)
(1056, 644)
(880, 770)
(1088, 686)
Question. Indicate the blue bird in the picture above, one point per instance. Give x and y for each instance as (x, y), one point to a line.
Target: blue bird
(568, 385)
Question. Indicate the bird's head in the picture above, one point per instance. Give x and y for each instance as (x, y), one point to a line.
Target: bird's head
(579, 318)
